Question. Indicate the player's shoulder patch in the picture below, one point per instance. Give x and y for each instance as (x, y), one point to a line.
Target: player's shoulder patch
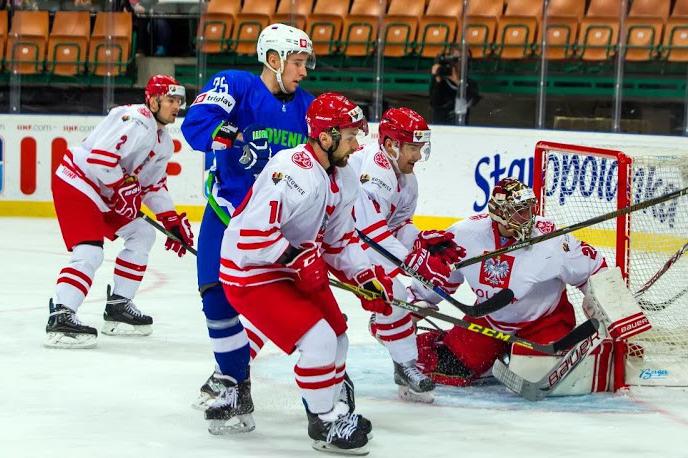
(223, 100)
(302, 159)
(382, 160)
(145, 112)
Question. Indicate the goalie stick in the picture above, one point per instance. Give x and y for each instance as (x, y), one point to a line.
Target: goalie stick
(536, 391)
(583, 331)
(500, 300)
(574, 227)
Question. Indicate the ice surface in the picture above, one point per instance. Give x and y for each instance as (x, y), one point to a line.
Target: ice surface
(130, 397)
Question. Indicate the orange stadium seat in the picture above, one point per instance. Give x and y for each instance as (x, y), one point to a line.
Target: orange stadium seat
(110, 44)
(644, 26)
(401, 24)
(599, 30)
(293, 12)
(215, 27)
(68, 43)
(481, 23)
(254, 17)
(563, 17)
(324, 25)
(27, 41)
(437, 29)
(360, 28)
(517, 29)
(3, 32)
(676, 33)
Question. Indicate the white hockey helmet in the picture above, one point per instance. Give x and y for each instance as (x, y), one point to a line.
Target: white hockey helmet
(284, 40)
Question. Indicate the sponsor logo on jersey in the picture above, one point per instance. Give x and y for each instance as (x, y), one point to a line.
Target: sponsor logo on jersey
(380, 183)
(545, 227)
(292, 184)
(125, 118)
(647, 374)
(365, 178)
(144, 111)
(380, 159)
(565, 247)
(496, 272)
(224, 100)
(302, 159)
(277, 177)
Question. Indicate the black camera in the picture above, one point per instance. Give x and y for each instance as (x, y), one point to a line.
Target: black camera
(446, 62)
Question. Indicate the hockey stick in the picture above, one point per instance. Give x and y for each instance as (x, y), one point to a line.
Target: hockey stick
(535, 391)
(656, 307)
(581, 332)
(162, 229)
(496, 302)
(574, 227)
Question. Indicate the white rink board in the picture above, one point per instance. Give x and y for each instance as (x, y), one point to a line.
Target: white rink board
(464, 165)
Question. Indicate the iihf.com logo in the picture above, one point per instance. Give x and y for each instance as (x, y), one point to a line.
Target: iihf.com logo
(647, 374)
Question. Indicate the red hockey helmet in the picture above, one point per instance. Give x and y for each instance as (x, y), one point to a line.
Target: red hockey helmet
(159, 85)
(512, 204)
(405, 126)
(331, 110)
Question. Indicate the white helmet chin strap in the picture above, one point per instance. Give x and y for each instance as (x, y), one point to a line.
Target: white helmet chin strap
(394, 158)
(278, 75)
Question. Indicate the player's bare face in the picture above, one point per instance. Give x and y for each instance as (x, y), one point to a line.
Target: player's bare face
(294, 71)
(347, 145)
(409, 154)
(169, 108)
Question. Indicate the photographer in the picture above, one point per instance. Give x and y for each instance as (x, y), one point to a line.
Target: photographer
(444, 88)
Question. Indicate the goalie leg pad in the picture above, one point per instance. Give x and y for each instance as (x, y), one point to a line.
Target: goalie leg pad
(439, 363)
(476, 351)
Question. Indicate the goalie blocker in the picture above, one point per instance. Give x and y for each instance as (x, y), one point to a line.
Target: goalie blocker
(590, 366)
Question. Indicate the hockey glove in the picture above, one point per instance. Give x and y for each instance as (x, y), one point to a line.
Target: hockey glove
(255, 148)
(224, 136)
(126, 200)
(430, 267)
(179, 225)
(441, 244)
(311, 270)
(376, 281)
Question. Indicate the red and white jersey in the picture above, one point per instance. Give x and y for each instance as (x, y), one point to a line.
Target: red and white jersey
(384, 209)
(126, 143)
(537, 275)
(294, 200)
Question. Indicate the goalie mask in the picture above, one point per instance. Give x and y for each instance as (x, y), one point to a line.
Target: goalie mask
(512, 205)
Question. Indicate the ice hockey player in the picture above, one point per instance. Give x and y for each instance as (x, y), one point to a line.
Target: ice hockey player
(241, 119)
(295, 224)
(97, 190)
(538, 275)
(383, 212)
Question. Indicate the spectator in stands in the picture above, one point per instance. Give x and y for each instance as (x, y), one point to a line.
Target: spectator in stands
(157, 29)
(444, 88)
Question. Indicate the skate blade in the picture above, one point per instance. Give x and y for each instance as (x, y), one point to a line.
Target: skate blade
(243, 424)
(75, 341)
(117, 328)
(407, 394)
(323, 446)
(203, 401)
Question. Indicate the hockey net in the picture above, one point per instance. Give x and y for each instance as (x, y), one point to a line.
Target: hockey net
(650, 246)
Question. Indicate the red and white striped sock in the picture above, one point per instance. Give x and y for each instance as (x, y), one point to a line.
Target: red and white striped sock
(256, 339)
(75, 280)
(315, 370)
(398, 334)
(128, 274)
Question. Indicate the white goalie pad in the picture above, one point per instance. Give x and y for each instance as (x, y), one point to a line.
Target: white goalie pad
(608, 299)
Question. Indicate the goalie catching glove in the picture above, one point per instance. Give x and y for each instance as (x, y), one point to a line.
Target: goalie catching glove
(177, 224)
(376, 281)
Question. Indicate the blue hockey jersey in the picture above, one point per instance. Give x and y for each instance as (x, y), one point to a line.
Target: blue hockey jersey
(242, 99)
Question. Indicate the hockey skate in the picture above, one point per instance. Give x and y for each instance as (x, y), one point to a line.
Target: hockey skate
(337, 432)
(231, 412)
(64, 330)
(414, 386)
(210, 390)
(122, 318)
(348, 397)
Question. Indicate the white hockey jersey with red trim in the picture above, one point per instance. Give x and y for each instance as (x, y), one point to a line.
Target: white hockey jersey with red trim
(386, 206)
(537, 275)
(294, 200)
(126, 143)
